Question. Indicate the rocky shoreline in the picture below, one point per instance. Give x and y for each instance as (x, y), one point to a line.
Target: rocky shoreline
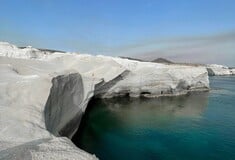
(44, 95)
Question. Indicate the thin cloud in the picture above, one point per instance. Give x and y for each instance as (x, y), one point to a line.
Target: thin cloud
(199, 49)
(213, 39)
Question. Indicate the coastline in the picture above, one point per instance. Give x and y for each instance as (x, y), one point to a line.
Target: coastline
(26, 86)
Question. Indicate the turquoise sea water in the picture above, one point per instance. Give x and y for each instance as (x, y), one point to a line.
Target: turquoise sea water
(192, 127)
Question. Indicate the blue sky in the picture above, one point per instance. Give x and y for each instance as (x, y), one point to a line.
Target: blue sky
(182, 30)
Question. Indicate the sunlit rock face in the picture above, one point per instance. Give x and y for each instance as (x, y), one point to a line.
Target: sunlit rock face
(153, 79)
(219, 70)
(37, 85)
(232, 70)
(23, 133)
(9, 50)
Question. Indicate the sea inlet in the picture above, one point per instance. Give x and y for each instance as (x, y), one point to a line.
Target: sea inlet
(199, 125)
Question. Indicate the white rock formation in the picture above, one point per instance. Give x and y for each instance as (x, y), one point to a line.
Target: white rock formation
(154, 79)
(33, 111)
(232, 70)
(219, 70)
(23, 133)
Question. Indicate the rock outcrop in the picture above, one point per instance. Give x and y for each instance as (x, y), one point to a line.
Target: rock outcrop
(34, 111)
(153, 79)
(23, 134)
(219, 70)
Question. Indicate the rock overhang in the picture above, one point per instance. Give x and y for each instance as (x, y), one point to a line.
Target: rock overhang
(76, 79)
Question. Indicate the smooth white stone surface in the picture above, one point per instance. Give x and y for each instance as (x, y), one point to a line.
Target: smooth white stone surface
(25, 85)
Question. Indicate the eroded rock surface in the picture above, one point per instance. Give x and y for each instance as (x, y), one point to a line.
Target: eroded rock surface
(43, 95)
(219, 70)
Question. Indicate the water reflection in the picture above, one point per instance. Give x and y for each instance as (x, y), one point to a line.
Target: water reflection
(195, 126)
(136, 116)
(153, 112)
(189, 105)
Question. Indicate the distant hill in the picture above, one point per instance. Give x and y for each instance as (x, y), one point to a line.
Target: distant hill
(135, 59)
(158, 60)
(46, 50)
(50, 50)
(162, 60)
(165, 61)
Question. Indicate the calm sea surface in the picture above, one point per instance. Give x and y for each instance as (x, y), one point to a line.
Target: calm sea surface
(192, 127)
